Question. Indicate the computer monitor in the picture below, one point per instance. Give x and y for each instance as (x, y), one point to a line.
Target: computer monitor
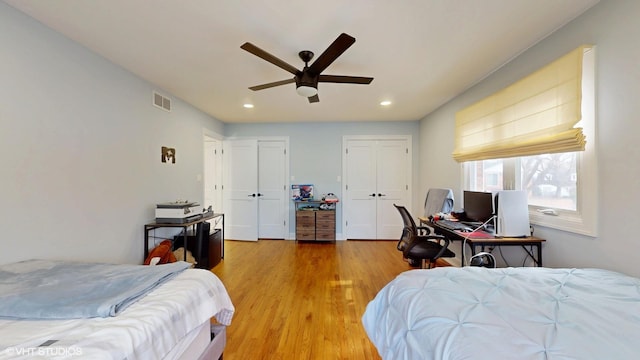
(478, 206)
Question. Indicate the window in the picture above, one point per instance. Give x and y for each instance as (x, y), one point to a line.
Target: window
(561, 187)
(561, 192)
(550, 179)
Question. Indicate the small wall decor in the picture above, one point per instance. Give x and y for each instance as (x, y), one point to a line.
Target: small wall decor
(168, 154)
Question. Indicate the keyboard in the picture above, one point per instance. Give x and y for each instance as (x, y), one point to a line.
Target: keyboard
(453, 225)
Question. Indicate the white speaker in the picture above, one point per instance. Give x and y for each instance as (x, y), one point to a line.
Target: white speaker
(512, 214)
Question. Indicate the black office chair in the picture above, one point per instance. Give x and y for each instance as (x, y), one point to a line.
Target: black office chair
(417, 243)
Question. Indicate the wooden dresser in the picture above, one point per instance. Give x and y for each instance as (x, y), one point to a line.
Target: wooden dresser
(325, 224)
(314, 224)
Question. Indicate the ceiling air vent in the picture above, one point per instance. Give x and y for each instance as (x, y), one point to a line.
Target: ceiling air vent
(161, 101)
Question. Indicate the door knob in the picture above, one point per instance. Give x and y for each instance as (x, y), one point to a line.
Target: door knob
(374, 194)
(260, 194)
(382, 194)
(252, 195)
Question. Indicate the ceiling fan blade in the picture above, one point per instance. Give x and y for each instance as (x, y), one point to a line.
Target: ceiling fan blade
(314, 98)
(272, 84)
(339, 45)
(268, 57)
(345, 79)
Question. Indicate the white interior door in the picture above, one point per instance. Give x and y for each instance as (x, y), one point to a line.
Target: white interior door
(392, 187)
(241, 189)
(377, 174)
(272, 189)
(360, 214)
(212, 174)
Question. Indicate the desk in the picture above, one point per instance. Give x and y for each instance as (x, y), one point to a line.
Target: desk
(487, 240)
(185, 227)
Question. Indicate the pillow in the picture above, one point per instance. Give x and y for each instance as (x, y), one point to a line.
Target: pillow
(162, 251)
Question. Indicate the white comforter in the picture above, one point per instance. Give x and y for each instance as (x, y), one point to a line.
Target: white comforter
(148, 329)
(510, 313)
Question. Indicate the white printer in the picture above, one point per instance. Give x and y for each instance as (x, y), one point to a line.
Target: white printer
(178, 212)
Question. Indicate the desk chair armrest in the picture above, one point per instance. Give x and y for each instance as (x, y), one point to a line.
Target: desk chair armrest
(423, 230)
(439, 238)
(444, 247)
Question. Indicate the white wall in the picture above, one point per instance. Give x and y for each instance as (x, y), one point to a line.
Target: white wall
(612, 27)
(81, 170)
(316, 152)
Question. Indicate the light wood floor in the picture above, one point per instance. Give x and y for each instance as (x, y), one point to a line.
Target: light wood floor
(304, 300)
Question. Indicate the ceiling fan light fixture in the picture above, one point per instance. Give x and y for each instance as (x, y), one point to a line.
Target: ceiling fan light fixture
(306, 91)
(308, 78)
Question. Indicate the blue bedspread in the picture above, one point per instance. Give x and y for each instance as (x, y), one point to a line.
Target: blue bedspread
(42, 289)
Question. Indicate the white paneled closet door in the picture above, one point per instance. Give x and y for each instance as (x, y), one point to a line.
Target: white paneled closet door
(377, 174)
(213, 173)
(392, 182)
(255, 189)
(272, 190)
(240, 190)
(360, 181)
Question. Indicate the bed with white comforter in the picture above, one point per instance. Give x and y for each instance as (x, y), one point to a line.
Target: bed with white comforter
(159, 319)
(508, 313)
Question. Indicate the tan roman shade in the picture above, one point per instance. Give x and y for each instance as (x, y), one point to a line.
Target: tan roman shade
(536, 115)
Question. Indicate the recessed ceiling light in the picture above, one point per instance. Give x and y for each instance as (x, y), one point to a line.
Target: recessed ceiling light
(385, 103)
(248, 106)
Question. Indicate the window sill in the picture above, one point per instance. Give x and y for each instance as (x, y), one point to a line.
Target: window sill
(565, 221)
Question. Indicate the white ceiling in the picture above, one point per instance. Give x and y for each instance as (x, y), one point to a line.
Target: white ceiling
(421, 53)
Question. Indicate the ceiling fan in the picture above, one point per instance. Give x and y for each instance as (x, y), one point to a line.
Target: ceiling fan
(308, 78)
